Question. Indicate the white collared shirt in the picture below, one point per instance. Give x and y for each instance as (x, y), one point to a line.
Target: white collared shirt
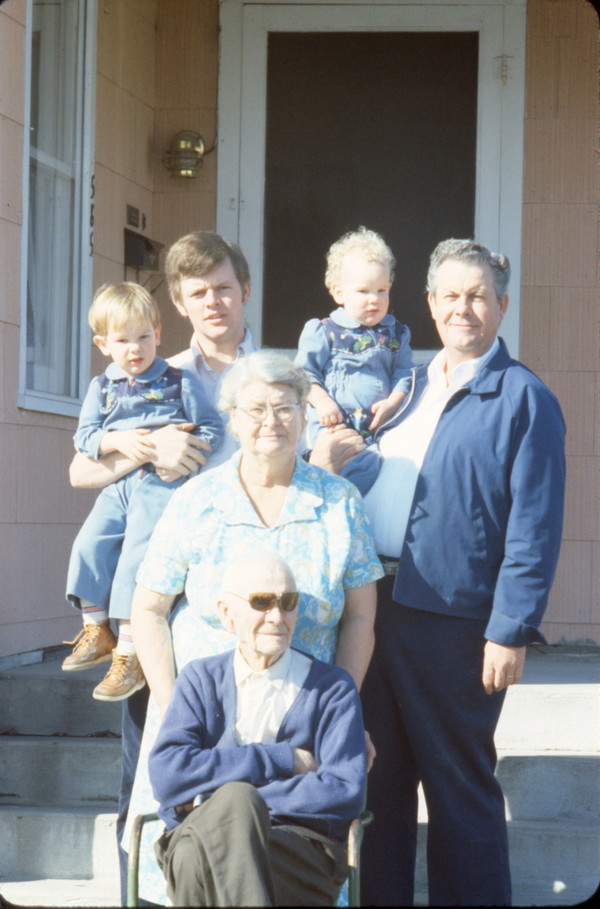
(404, 447)
(264, 698)
(193, 360)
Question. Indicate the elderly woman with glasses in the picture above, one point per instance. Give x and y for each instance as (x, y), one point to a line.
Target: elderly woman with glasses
(264, 496)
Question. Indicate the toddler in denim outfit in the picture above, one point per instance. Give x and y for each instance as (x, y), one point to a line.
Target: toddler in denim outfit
(137, 392)
(359, 358)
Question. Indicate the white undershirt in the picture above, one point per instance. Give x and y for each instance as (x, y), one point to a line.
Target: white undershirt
(264, 698)
(404, 447)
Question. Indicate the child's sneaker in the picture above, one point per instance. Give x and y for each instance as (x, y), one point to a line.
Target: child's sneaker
(94, 644)
(123, 678)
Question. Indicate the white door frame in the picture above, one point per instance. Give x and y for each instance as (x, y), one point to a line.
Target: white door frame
(245, 26)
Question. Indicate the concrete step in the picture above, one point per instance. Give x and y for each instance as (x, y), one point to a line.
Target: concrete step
(41, 770)
(41, 699)
(57, 843)
(555, 707)
(563, 860)
(554, 787)
(98, 892)
(547, 740)
(551, 864)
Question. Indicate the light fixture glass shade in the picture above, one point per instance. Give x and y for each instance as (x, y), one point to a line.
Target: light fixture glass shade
(184, 155)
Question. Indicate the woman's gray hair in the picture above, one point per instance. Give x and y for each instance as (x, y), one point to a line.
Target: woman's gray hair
(472, 254)
(262, 366)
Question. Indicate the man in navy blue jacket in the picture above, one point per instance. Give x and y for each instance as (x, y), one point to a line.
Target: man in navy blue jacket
(467, 517)
(260, 764)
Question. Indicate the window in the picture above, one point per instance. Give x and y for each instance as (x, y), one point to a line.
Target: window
(58, 184)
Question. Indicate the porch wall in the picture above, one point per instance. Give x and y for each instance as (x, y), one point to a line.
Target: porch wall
(39, 512)
(560, 337)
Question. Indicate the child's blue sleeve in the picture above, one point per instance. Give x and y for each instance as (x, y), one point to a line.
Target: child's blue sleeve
(90, 429)
(403, 360)
(314, 352)
(198, 410)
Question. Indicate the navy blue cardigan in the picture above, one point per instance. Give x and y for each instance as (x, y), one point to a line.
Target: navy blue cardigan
(196, 751)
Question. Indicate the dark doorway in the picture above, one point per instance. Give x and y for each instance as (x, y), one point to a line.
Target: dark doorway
(373, 128)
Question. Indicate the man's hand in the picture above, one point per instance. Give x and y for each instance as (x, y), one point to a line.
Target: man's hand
(371, 753)
(335, 447)
(176, 450)
(304, 761)
(502, 666)
(167, 476)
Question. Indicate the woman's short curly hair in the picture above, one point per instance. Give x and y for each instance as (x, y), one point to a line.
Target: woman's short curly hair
(370, 244)
(268, 366)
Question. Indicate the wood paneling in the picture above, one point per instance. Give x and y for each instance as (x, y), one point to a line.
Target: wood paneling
(10, 270)
(9, 460)
(575, 329)
(187, 53)
(11, 83)
(560, 318)
(40, 591)
(577, 76)
(560, 245)
(11, 170)
(582, 515)
(549, 143)
(536, 325)
(573, 584)
(570, 633)
(9, 371)
(126, 48)
(576, 392)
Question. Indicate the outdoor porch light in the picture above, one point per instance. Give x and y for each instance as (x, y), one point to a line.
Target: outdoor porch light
(184, 155)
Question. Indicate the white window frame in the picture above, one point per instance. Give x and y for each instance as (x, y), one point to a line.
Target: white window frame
(39, 400)
(245, 26)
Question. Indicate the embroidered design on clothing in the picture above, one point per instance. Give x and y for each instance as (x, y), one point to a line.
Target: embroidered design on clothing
(164, 388)
(358, 340)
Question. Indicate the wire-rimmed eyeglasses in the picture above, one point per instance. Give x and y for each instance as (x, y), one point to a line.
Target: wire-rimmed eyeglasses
(285, 413)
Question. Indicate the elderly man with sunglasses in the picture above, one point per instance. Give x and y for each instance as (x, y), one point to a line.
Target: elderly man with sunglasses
(259, 765)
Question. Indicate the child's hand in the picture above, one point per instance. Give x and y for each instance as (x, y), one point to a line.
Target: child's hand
(133, 443)
(384, 409)
(329, 413)
(167, 476)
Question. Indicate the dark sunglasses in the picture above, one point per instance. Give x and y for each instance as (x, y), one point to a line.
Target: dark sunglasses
(262, 602)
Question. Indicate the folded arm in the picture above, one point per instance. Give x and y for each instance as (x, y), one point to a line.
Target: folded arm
(185, 762)
(174, 449)
(326, 789)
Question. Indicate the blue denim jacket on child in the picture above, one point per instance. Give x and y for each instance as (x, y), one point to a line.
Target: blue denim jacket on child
(163, 394)
(113, 539)
(355, 364)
